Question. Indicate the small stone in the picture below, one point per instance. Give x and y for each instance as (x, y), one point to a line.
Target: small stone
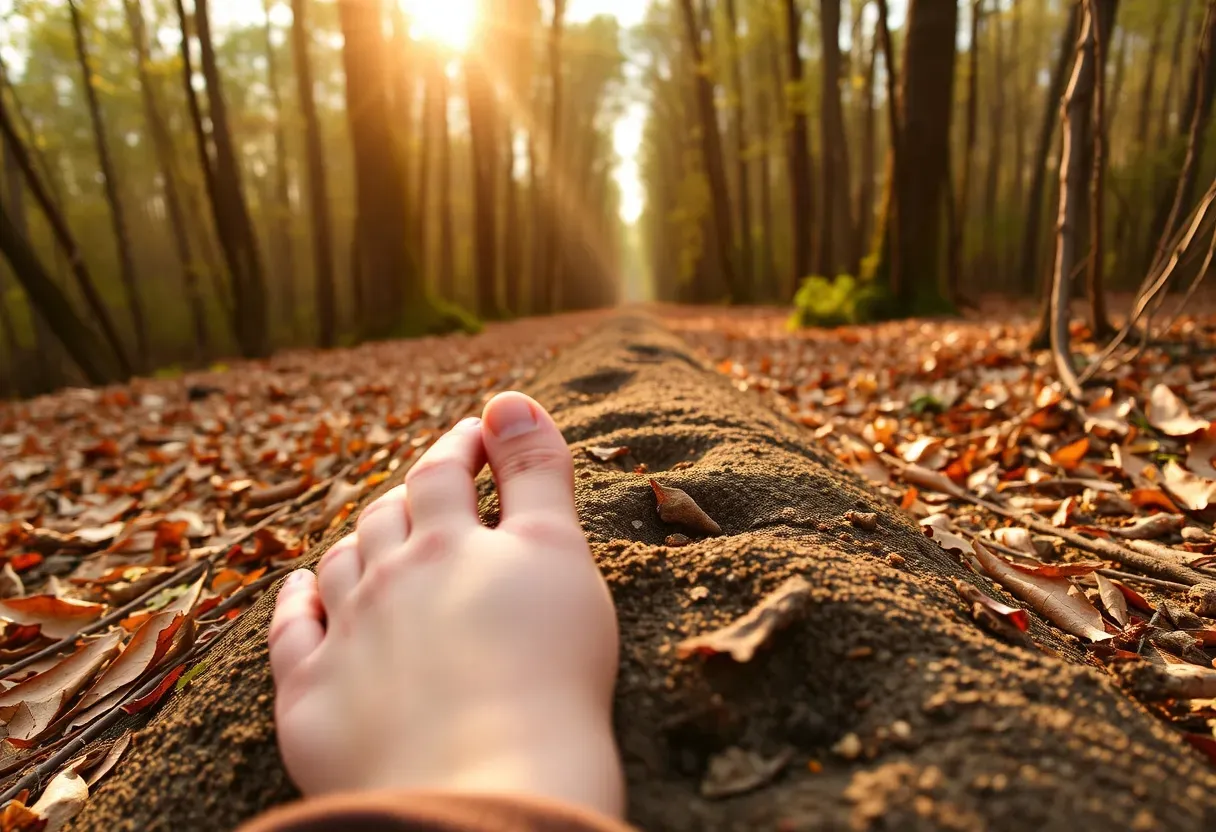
(1202, 598)
(698, 593)
(901, 730)
(637, 524)
(862, 652)
(865, 520)
(895, 560)
(1194, 534)
(849, 747)
(676, 540)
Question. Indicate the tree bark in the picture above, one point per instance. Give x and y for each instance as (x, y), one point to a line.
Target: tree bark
(53, 305)
(554, 181)
(283, 245)
(1032, 232)
(800, 163)
(747, 257)
(512, 255)
(1165, 120)
(962, 203)
(868, 133)
(392, 290)
(318, 186)
(162, 146)
(994, 258)
(122, 238)
(1104, 27)
(447, 236)
(836, 226)
(65, 240)
(483, 164)
(769, 284)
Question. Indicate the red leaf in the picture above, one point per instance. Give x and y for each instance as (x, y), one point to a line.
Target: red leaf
(157, 693)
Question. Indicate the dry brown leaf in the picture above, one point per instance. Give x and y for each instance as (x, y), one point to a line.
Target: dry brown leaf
(1070, 456)
(58, 617)
(1060, 570)
(676, 506)
(1192, 492)
(31, 706)
(927, 452)
(742, 637)
(1168, 414)
(1150, 528)
(1113, 599)
(1056, 599)
(924, 478)
(11, 585)
(1016, 616)
(736, 771)
(64, 797)
(605, 453)
(939, 528)
(120, 746)
(1199, 456)
(341, 493)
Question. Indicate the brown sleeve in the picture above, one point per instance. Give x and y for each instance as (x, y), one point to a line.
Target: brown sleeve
(430, 812)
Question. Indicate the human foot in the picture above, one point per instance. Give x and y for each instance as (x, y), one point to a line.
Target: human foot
(431, 652)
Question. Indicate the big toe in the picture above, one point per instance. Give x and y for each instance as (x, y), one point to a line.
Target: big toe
(530, 460)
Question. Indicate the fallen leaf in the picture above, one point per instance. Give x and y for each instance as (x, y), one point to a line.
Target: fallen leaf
(1070, 456)
(1150, 528)
(1056, 599)
(735, 771)
(11, 585)
(924, 478)
(340, 494)
(111, 759)
(1152, 498)
(1190, 491)
(156, 694)
(742, 637)
(31, 706)
(64, 797)
(605, 453)
(1199, 456)
(1016, 616)
(939, 528)
(1113, 599)
(275, 494)
(1060, 570)
(675, 506)
(927, 451)
(1168, 414)
(58, 617)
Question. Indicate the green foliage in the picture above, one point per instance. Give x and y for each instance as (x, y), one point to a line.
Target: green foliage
(821, 302)
(928, 403)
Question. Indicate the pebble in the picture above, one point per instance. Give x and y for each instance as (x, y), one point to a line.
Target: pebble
(637, 524)
(849, 747)
(901, 730)
(698, 593)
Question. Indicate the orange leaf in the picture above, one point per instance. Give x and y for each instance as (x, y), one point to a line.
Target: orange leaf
(1070, 456)
(157, 693)
(58, 617)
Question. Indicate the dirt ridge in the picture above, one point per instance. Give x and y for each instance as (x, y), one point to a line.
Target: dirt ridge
(936, 724)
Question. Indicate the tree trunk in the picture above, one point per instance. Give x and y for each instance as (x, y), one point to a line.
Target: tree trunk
(1074, 185)
(554, 184)
(868, 134)
(318, 186)
(962, 203)
(747, 257)
(1032, 232)
(53, 305)
(1172, 204)
(162, 146)
(922, 154)
(122, 239)
(483, 164)
(1104, 27)
(447, 236)
(65, 240)
(770, 286)
(394, 300)
(1021, 95)
(282, 244)
(1164, 121)
(800, 162)
(512, 265)
(994, 258)
(836, 226)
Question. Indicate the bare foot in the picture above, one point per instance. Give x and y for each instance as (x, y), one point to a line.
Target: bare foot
(431, 652)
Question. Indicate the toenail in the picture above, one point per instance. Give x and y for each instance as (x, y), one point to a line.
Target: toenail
(469, 422)
(511, 417)
(296, 578)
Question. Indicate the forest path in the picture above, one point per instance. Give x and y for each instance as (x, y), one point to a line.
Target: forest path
(881, 704)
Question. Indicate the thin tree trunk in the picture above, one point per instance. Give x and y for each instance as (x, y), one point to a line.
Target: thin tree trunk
(770, 290)
(836, 227)
(744, 195)
(512, 265)
(800, 163)
(395, 301)
(53, 305)
(318, 186)
(485, 208)
(1103, 29)
(65, 240)
(162, 146)
(1074, 179)
(1020, 96)
(869, 159)
(280, 207)
(962, 203)
(887, 233)
(447, 237)
(1032, 232)
(994, 257)
(122, 239)
(1164, 121)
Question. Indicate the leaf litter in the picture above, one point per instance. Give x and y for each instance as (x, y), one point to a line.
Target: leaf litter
(137, 521)
(1096, 515)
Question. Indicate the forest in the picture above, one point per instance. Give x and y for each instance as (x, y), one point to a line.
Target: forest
(853, 360)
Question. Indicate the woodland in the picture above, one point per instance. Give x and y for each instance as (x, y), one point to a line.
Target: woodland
(907, 297)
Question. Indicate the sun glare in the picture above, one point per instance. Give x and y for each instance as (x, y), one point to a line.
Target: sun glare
(450, 23)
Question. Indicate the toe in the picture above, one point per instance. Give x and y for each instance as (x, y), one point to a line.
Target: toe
(296, 630)
(442, 494)
(339, 571)
(531, 461)
(384, 525)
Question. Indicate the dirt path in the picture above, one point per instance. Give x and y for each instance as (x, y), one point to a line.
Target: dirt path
(935, 724)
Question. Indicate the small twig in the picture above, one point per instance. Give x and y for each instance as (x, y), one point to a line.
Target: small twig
(1157, 582)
